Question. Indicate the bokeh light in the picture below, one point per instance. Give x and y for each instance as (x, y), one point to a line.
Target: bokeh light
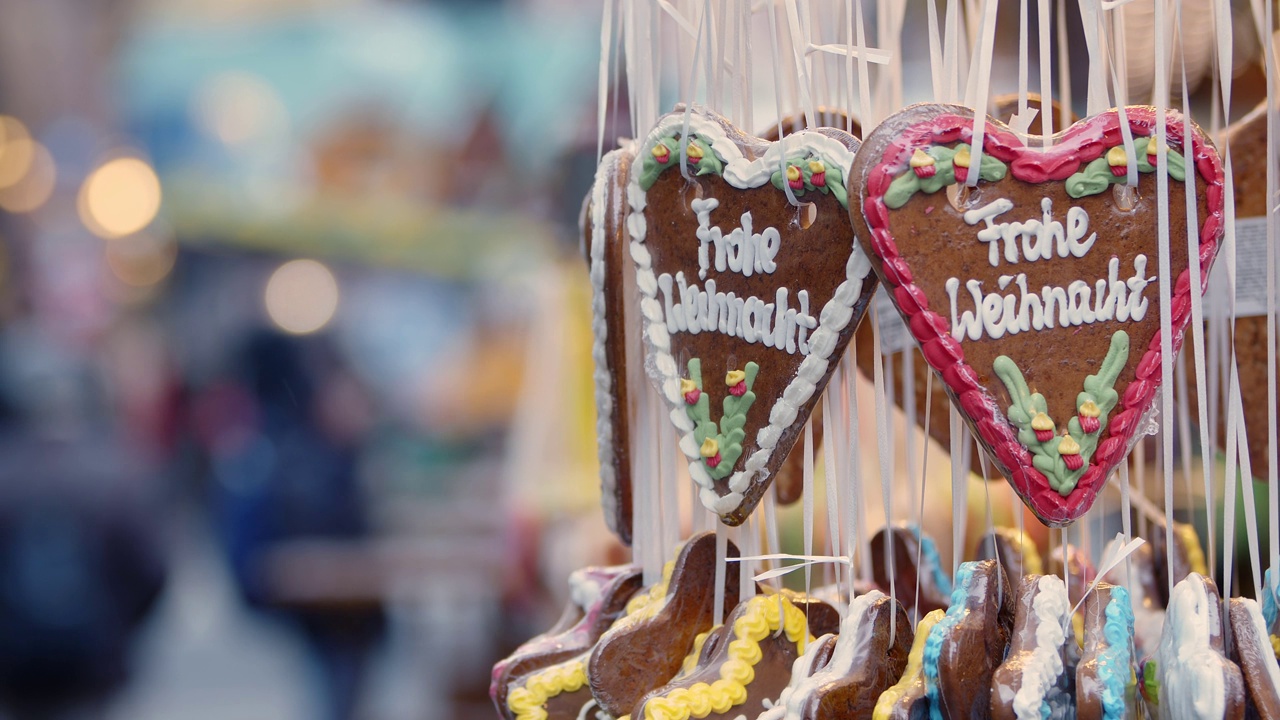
(30, 190)
(238, 108)
(301, 296)
(17, 151)
(119, 198)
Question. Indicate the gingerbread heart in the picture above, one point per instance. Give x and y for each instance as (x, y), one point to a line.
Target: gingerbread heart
(605, 242)
(933, 418)
(748, 300)
(1033, 294)
(1252, 651)
(1039, 672)
(1105, 689)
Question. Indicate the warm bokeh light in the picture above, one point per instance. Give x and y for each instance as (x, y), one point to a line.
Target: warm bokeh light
(142, 260)
(17, 151)
(301, 296)
(121, 197)
(238, 108)
(34, 187)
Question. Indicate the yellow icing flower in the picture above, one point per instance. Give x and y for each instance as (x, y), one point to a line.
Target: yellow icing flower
(1090, 408)
(693, 152)
(1116, 157)
(961, 158)
(1042, 424)
(816, 166)
(687, 386)
(710, 448)
(661, 153)
(733, 377)
(793, 173)
(920, 158)
(1068, 446)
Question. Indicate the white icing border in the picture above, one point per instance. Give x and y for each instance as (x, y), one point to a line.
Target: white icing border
(744, 174)
(1042, 667)
(1192, 684)
(600, 334)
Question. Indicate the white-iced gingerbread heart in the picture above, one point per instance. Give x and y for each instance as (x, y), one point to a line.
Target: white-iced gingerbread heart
(751, 285)
(1035, 295)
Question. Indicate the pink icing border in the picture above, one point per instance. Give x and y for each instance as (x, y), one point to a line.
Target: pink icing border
(1079, 145)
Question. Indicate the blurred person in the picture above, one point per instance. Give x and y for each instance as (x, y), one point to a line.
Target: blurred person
(284, 465)
(81, 532)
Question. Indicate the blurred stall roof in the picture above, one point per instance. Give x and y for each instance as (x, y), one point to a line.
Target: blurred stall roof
(247, 117)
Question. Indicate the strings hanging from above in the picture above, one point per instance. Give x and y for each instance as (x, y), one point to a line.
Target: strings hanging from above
(1018, 273)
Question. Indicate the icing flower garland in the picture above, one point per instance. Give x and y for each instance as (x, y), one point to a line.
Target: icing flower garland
(720, 447)
(929, 170)
(1113, 167)
(527, 702)
(801, 173)
(1062, 458)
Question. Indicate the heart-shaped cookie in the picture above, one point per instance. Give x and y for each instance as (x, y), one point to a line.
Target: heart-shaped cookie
(748, 300)
(605, 241)
(1034, 294)
(934, 418)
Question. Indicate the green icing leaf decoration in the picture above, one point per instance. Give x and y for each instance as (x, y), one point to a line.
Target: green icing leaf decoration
(732, 428)
(1098, 388)
(908, 183)
(650, 168)
(1097, 176)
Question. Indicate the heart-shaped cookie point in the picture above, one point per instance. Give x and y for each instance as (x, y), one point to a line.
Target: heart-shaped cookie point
(748, 298)
(1028, 276)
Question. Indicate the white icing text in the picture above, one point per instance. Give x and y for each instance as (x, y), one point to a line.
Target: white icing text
(690, 309)
(741, 250)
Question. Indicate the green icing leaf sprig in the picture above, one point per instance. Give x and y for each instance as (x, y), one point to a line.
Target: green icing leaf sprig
(1112, 168)
(929, 170)
(666, 153)
(1063, 458)
(720, 446)
(804, 172)
(808, 173)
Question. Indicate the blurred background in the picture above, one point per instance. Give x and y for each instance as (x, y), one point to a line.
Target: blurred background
(269, 273)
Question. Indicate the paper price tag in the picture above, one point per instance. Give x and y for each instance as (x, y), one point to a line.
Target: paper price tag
(1251, 274)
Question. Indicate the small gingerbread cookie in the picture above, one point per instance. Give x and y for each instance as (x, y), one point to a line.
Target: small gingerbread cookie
(914, 556)
(743, 667)
(1038, 674)
(605, 242)
(598, 597)
(1016, 551)
(1253, 652)
(1080, 571)
(965, 647)
(646, 648)
(908, 699)
(1025, 273)
(869, 656)
(1105, 685)
(1195, 680)
(1138, 575)
(751, 285)
(1188, 556)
